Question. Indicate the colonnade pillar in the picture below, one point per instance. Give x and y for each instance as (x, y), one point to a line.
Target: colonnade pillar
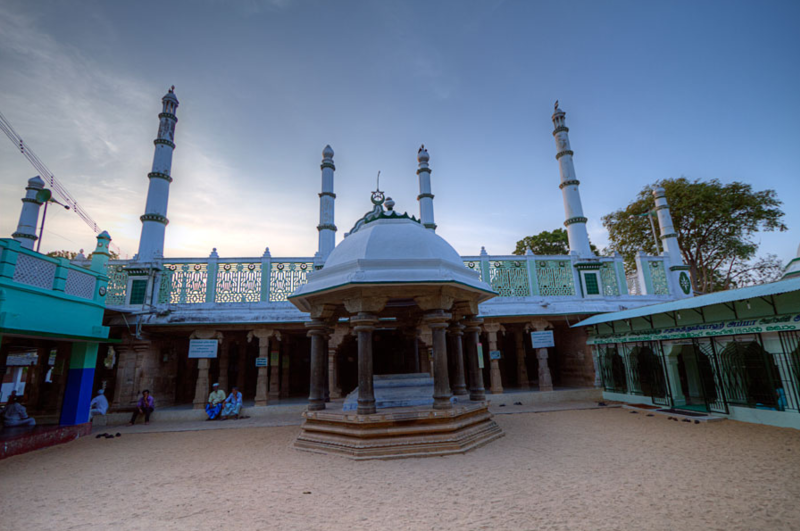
(522, 367)
(317, 331)
(363, 325)
(473, 329)
(437, 321)
(201, 387)
(545, 379)
(495, 382)
(262, 379)
(333, 362)
(456, 333)
(222, 380)
(426, 338)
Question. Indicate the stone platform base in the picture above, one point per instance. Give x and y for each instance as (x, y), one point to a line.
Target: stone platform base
(399, 432)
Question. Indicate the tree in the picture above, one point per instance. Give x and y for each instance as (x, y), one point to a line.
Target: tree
(716, 225)
(546, 243)
(70, 255)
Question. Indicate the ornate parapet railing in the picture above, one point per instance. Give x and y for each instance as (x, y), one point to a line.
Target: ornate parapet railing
(182, 281)
(26, 268)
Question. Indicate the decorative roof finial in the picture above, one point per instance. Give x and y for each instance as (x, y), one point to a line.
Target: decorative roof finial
(172, 88)
(556, 105)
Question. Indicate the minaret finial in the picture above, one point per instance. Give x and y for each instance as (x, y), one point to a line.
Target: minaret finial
(556, 105)
(326, 227)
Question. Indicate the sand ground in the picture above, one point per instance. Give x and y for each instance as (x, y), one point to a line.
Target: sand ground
(601, 469)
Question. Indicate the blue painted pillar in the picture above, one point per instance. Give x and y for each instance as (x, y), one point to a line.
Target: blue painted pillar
(80, 380)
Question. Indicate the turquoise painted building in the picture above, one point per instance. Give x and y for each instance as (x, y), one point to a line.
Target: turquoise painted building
(51, 305)
(734, 353)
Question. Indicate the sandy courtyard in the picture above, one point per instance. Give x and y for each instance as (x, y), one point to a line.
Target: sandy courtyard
(577, 470)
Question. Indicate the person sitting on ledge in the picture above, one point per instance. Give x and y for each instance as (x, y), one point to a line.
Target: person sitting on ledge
(16, 415)
(215, 400)
(145, 406)
(98, 405)
(233, 404)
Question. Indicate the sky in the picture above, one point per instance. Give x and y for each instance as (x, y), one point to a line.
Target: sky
(652, 90)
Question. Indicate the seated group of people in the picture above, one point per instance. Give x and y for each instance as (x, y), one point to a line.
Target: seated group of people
(15, 415)
(222, 407)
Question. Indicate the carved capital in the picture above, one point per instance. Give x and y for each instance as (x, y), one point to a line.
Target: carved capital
(437, 319)
(540, 324)
(263, 334)
(365, 304)
(322, 311)
(439, 301)
(206, 333)
(492, 328)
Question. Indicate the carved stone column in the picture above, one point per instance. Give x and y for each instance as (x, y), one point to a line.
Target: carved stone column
(317, 331)
(545, 380)
(333, 361)
(275, 369)
(262, 380)
(495, 382)
(125, 391)
(425, 336)
(286, 360)
(437, 321)
(201, 388)
(363, 326)
(222, 379)
(522, 367)
(456, 333)
(241, 350)
(472, 340)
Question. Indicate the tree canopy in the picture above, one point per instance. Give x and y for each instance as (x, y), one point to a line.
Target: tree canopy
(546, 243)
(70, 255)
(716, 225)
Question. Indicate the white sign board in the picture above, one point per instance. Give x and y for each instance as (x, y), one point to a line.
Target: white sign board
(480, 356)
(203, 348)
(542, 339)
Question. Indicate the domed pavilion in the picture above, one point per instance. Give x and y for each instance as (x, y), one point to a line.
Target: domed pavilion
(391, 271)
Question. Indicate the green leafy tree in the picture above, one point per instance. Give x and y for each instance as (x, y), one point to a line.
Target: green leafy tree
(716, 225)
(70, 255)
(546, 243)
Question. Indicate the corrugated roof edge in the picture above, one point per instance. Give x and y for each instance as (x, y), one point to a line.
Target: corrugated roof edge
(720, 297)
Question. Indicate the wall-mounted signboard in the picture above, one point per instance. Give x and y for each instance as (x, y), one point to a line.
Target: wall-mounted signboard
(203, 348)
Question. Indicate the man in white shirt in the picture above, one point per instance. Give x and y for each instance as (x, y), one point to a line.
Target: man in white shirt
(99, 404)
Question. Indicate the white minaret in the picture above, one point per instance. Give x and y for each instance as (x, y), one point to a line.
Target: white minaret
(425, 196)
(576, 221)
(679, 271)
(29, 216)
(154, 220)
(326, 228)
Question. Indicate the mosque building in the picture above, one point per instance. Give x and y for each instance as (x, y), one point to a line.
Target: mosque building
(176, 325)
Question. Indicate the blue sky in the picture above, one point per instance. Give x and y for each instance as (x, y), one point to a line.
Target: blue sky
(651, 90)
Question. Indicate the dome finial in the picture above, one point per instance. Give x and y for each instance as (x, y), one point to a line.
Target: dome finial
(422, 154)
(327, 153)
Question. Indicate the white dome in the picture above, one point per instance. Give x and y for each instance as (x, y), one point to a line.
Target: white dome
(392, 251)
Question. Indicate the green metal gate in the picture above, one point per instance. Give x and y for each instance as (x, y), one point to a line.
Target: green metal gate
(653, 377)
(790, 341)
(710, 380)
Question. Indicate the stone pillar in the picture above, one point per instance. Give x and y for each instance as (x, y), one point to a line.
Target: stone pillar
(124, 387)
(437, 321)
(275, 369)
(495, 382)
(426, 338)
(262, 380)
(285, 367)
(545, 379)
(241, 350)
(456, 332)
(333, 361)
(363, 326)
(201, 387)
(522, 367)
(222, 380)
(472, 340)
(317, 332)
